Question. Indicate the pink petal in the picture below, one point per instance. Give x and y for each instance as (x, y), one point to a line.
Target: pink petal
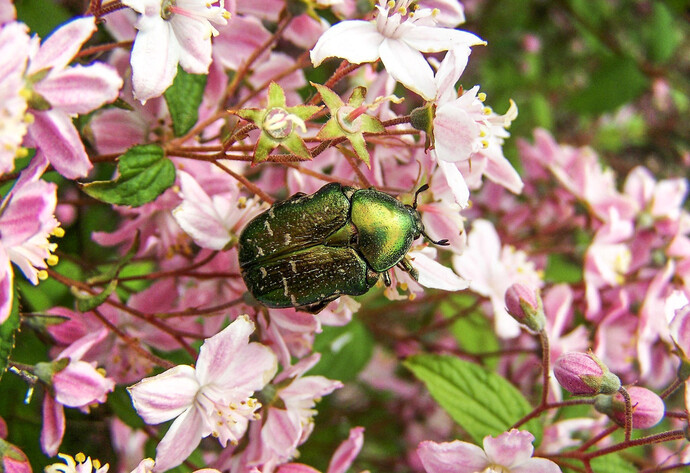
(451, 457)
(308, 388)
(347, 451)
(59, 48)
(180, 440)
(219, 350)
(355, 40)
(164, 396)
(6, 286)
(456, 133)
(79, 385)
(281, 432)
(81, 89)
(448, 73)
(509, 448)
(29, 206)
(54, 134)
(76, 350)
(116, 130)
(154, 58)
(53, 426)
(296, 468)
(304, 31)
(500, 171)
(407, 65)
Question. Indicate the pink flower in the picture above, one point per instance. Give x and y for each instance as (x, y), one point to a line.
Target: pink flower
(14, 53)
(340, 461)
(492, 269)
(83, 464)
(67, 91)
(647, 407)
(510, 452)
(171, 33)
(290, 425)
(78, 384)
(212, 220)
(583, 374)
(680, 332)
(27, 220)
(212, 398)
(397, 36)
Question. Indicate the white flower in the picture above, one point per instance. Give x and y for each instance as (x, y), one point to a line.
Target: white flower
(171, 32)
(398, 37)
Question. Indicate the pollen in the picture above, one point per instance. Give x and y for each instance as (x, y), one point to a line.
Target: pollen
(58, 232)
(96, 464)
(52, 260)
(487, 111)
(481, 96)
(29, 119)
(485, 144)
(42, 275)
(80, 457)
(391, 3)
(242, 202)
(22, 152)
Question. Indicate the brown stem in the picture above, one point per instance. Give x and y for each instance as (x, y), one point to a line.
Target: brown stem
(628, 413)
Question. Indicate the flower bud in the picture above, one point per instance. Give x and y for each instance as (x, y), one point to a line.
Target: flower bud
(421, 118)
(524, 305)
(584, 374)
(647, 408)
(12, 459)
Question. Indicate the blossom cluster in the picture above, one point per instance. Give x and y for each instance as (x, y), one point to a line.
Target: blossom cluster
(540, 307)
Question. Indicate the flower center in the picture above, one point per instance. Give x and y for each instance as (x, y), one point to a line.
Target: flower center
(279, 124)
(167, 9)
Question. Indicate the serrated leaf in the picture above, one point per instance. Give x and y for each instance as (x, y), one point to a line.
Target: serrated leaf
(612, 463)
(183, 98)
(89, 302)
(145, 173)
(481, 402)
(7, 332)
(345, 351)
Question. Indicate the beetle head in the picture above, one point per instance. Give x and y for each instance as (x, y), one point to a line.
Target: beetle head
(418, 218)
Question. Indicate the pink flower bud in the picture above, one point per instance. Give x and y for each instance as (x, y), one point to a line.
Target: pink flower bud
(524, 304)
(584, 374)
(13, 460)
(647, 408)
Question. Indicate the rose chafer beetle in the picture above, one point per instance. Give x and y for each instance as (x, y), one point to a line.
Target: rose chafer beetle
(309, 250)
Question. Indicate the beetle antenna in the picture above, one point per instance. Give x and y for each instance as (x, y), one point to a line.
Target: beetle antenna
(416, 194)
(443, 242)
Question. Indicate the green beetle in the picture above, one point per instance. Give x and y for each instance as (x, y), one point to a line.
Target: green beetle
(309, 250)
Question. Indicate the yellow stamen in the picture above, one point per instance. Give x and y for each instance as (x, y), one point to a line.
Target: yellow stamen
(52, 260)
(22, 153)
(80, 457)
(481, 96)
(58, 232)
(487, 111)
(42, 275)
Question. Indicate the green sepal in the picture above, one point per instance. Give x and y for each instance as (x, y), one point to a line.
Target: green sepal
(330, 98)
(183, 98)
(8, 329)
(360, 147)
(267, 143)
(45, 370)
(144, 174)
(87, 302)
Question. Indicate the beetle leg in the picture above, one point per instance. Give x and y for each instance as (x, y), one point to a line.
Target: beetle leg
(405, 265)
(387, 279)
(317, 307)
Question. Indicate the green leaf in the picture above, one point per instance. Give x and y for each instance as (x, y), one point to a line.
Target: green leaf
(560, 269)
(662, 36)
(7, 332)
(345, 351)
(145, 173)
(121, 404)
(183, 98)
(612, 463)
(615, 83)
(481, 402)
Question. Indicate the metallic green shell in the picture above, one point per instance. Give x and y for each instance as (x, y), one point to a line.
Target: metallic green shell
(386, 228)
(310, 249)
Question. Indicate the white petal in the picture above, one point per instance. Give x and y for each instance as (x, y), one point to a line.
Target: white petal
(154, 58)
(167, 395)
(456, 182)
(407, 65)
(357, 41)
(432, 39)
(434, 275)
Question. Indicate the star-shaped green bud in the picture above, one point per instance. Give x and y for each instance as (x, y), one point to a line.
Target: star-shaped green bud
(349, 121)
(279, 124)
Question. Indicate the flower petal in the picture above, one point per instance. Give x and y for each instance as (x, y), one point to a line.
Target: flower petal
(432, 39)
(154, 58)
(6, 286)
(433, 274)
(80, 384)
(59, 48)
(53, 425)
(357, 41)
(164, 396)
(510, 448)
(451, 457)
(347, 451)
(195, 43)
(80, 89)
(537, 465)
(180, 440)
(54, 134)
(456, 182)
(407, 65)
